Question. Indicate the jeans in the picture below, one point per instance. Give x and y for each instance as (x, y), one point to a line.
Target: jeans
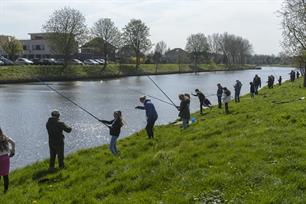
(112, 145)
(219, 101)
(56, 149)
(149, 128)
(201, 106)
(226, 108)
(237, 96)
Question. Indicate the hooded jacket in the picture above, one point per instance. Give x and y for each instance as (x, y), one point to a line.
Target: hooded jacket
(55, 130)
(115, 127)
(150, 110)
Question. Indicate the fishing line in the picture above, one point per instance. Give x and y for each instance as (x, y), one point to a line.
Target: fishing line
(161, 90)
(166, 102)
(68, 99)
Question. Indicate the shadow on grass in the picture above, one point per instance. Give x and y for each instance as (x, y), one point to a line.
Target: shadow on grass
(41, 176)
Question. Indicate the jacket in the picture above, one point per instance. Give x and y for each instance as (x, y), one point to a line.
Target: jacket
(115, 127)
(219, 92)
(200, 95)
(238, 86)
(150, 110)
(55, 131)
(184, 109)
(226, 97)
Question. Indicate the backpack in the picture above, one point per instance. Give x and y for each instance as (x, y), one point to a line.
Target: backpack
(227, 92)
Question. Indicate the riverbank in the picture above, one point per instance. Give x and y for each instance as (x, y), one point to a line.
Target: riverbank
(256, 154)
(22, 74)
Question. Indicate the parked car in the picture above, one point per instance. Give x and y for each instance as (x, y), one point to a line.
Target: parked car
(90, 62)
(100, 61)
(76, 62)
(23, 61)
(6, 61)
(59, 61)
(36, 61)
(47, 61)
(1, 63)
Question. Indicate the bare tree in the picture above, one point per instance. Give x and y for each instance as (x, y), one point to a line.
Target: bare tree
(159, 51)
(105, 29)
(293, 15)
(136, 35)
(12, 47)
(66, 30)
(197, 45)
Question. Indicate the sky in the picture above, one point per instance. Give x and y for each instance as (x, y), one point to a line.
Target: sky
(169, 20)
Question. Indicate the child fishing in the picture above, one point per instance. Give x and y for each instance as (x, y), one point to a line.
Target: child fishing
(114, 130)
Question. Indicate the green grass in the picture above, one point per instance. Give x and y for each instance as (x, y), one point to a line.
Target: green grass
(256, 154)
(21, 73)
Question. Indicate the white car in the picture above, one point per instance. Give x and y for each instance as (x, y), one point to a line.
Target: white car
(23, 61)
(90, 62)
(1, 63)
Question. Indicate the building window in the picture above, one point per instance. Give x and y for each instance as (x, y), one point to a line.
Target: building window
(24, 47)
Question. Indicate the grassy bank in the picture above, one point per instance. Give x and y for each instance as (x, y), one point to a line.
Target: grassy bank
(27, 73)
(256, 154)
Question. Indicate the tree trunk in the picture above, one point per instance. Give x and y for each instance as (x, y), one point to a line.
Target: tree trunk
(137, 59)
(105, 62)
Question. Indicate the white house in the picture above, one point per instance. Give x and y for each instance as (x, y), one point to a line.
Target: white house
(36, 46)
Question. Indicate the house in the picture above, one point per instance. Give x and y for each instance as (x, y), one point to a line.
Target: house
(95, 49)
(176, 55)
(36, 46)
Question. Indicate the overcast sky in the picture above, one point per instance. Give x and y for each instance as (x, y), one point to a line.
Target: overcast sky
(169, 20)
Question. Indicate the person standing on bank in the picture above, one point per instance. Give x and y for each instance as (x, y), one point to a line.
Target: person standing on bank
(5, 154)
(184, 111)
(226, 99)
(201, 97)
(252, 89)
(114, 130)
(56, 139)
(219, 95)
(280, 81)
(257, 83)
(237, 88)
(150, 113)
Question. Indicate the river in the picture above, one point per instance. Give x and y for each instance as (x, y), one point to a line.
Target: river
(26, 107)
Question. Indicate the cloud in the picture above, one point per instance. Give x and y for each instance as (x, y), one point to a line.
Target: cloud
(169, 20)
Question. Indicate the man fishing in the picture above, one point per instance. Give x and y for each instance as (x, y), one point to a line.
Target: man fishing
(56, 139)
(184, 111)
(201, 97)
(237, 88)
(150, 113)
(226, 99)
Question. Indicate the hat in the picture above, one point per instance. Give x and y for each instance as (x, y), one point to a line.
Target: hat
(196, 90)
(142, 98)
(55, 113)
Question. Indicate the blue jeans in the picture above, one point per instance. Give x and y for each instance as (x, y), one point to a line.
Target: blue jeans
(112, 145)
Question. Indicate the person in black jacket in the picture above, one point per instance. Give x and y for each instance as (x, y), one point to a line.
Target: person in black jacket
(150, 113)
(56, 139)
(201, 97)
(219, 95)
(252, 89)
(114, 130)
(184, 111)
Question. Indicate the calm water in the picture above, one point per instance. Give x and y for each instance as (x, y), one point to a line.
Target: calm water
(25, 108)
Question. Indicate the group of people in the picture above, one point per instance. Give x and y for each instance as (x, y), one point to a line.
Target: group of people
(55, 127)
(293, 74)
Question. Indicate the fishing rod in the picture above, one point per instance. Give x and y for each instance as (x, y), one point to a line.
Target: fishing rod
(161, 90)
(68, 99)
(154, 97)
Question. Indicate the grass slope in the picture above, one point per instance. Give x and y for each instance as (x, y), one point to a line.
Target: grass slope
(51, 72)
(256, 154)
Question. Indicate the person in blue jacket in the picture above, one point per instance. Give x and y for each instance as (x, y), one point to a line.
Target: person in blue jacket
(150, 113)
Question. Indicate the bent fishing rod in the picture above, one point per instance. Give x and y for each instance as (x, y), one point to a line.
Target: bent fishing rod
(166, 102)
(161, 90)
(68, 99)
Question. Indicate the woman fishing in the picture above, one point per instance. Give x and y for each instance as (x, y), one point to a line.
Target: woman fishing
(5, 154)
